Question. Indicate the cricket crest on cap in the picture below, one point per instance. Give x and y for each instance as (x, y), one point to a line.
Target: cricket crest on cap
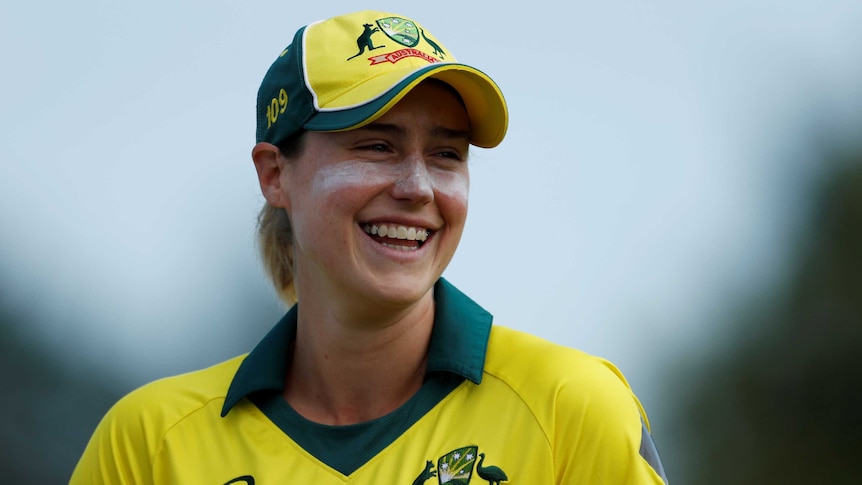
(402, 31)
(359, 58)
(407, 33)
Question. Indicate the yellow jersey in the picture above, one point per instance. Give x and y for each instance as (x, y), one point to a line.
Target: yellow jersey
(498, 406)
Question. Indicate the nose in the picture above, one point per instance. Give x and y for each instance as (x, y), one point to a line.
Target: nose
(414, 181)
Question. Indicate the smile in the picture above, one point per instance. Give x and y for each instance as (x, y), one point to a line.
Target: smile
(393, 236)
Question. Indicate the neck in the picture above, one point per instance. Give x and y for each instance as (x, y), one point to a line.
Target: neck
(347, 370)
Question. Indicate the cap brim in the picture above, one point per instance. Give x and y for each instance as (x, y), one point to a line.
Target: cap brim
(485, 104)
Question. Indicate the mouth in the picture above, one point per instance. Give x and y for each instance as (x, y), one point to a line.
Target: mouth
(398, 237)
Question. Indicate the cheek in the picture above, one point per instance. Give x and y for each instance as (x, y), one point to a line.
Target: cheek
(452, 191)
(345, 179)
(325, 198)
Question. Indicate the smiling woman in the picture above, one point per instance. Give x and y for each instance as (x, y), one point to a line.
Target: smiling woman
(381, 371)
(405, 171)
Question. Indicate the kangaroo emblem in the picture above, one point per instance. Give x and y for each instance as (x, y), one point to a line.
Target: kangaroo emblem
(437, 50)
(364, 40)
(426, 474)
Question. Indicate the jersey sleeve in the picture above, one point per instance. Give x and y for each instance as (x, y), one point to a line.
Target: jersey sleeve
(595, 427)
(120, 450)
(603, 432)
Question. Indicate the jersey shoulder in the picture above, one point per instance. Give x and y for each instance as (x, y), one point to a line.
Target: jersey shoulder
(124, 445)
(172, 398)
(540, 371)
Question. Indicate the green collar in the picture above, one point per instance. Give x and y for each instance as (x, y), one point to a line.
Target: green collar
(458, 344)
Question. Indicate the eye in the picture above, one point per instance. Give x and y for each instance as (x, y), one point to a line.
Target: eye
(380, 147)
(450, 155)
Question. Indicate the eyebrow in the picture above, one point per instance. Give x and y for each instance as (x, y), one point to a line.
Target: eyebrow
(394, 129)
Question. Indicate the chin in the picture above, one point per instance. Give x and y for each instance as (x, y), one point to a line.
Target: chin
(402, 293)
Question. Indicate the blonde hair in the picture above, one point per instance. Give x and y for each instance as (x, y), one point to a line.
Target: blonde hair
(275, 233)
(275, 240)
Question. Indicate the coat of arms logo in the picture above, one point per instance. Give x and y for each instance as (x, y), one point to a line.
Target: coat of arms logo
(456, 467)
(403, 31)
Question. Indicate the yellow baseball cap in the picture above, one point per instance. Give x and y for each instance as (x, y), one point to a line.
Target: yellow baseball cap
(344, 72)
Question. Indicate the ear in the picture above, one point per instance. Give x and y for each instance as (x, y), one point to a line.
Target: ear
(269, 165)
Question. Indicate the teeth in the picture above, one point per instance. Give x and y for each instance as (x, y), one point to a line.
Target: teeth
(397, 232)
(400, 248)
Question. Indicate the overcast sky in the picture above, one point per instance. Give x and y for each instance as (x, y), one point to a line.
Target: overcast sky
(653, 172)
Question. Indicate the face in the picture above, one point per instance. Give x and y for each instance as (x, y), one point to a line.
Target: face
(378, 211)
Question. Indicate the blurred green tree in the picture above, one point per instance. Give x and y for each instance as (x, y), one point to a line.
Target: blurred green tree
(784, 406)
(50, 407)
(54, 398)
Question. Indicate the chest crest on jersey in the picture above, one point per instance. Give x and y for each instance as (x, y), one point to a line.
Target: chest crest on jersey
(458, 466)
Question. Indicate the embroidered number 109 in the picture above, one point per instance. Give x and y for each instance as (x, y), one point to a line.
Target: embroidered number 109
(276, 107)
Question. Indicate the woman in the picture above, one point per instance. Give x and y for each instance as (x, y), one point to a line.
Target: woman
(382, 372)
